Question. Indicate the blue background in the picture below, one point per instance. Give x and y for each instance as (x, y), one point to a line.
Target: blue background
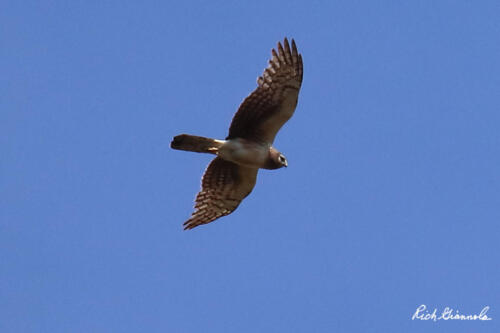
(391, 198)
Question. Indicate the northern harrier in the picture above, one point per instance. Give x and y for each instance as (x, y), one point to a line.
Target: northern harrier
(231, 176)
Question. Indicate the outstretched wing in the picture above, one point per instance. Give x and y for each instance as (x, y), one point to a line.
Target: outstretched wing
(224, 185)
(267, 108)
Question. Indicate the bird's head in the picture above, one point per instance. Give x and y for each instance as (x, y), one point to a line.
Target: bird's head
(275, 160)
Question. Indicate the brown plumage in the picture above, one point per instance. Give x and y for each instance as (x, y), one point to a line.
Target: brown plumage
(267, 108)
(231, 176)
(223, 186)
(197, 144)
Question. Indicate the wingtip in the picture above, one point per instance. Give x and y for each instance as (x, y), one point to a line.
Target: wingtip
(286, 41)
(292, 44)
(191, 223)
(285, 44)
(187, 225)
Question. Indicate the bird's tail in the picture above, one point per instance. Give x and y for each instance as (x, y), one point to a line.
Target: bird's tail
(195, 143)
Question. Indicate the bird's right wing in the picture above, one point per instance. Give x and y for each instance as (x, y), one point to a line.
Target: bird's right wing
(267, 108)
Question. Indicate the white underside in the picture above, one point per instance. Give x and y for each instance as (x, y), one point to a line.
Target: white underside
(244, 152)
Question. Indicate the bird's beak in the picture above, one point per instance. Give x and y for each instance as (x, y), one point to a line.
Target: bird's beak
(286, 164)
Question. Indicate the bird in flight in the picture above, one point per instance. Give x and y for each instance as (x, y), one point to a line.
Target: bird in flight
(231, 175)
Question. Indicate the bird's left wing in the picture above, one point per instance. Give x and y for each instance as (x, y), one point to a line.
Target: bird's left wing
(267, 108)
(224, 185)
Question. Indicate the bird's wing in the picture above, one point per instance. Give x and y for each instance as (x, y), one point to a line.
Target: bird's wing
(224, 185)
(267, 108)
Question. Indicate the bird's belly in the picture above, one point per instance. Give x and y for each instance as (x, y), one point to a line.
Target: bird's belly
(244, 152)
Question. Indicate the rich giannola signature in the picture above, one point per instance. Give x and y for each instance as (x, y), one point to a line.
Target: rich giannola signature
(448, 314)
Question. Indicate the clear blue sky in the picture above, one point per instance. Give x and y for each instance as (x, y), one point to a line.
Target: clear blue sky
(391, 198)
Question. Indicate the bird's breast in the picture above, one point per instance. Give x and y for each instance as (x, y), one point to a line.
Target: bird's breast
(244, 152)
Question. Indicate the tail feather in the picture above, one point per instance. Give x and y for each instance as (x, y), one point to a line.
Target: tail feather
(195, 143)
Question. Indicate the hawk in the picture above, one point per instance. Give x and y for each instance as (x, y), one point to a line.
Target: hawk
(231, 176)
